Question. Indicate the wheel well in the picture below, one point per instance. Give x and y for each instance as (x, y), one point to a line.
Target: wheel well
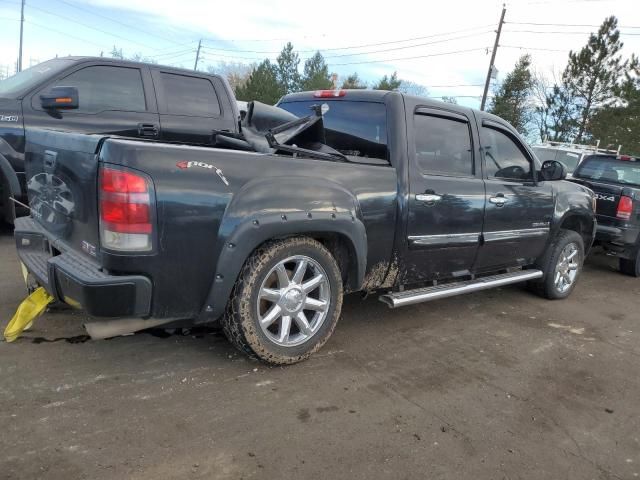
(342, 250)
(345, 254)
(579, 225)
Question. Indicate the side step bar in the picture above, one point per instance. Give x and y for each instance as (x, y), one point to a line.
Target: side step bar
(409, 297)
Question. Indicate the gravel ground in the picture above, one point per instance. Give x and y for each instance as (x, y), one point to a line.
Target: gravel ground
(494, 385)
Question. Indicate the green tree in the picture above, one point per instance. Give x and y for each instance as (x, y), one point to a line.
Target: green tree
(512, 99)
(117, 53)
(388, 83)
(594, 72)
(262, 85)
(316, 74)
(353, 81)
(287, 72)
(619, 124)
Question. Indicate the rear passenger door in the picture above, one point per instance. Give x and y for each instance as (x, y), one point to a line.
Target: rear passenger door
(191, 107)
(446, 202)
(113, 99)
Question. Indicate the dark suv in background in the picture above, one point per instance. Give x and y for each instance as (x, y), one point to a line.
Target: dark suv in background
(116, 97)
(615, 179)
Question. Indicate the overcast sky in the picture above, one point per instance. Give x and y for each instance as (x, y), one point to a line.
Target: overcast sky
(444, 45)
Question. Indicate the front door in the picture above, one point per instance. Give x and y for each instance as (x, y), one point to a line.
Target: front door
(518, 210)
(113, 100)
(446, 202)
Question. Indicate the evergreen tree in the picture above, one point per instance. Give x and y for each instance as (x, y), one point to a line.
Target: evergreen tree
(512, 99)
(353, 81)
(593, 73)
(452, 100)
(117, 53)
(316, 74)
(619, 124)
(287, 70)
(388, 83)
(262, 85)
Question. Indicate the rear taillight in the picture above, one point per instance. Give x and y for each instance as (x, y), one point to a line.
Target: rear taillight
(126, 220)
(625, 207)
(329, 93)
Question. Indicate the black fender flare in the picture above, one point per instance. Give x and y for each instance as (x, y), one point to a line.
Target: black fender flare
(265, 209)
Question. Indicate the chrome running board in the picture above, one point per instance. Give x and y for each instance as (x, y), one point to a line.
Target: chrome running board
(409, 297)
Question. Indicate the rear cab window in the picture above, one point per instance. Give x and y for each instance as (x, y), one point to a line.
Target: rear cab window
(189, 96)
(357, 129)
(609, 169)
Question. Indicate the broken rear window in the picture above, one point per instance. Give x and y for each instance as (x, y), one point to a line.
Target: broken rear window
(353, 128)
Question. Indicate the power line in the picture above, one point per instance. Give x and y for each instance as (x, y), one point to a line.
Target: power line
(410, 58)
(89, 26)
(136, 28)
(562, 33)
(535, 48)
(31, 22)
(391, 42)
(410, 46)
(563, 25)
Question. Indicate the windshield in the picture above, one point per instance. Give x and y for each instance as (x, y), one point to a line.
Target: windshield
(26, 79)
(353, 128)
(610, 170)
(569, 159)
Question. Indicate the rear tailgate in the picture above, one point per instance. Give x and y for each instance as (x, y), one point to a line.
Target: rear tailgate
(61, 172)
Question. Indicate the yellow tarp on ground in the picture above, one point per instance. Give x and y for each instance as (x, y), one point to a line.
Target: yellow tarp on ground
(29, 310)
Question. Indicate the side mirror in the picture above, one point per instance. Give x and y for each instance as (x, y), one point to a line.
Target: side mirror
(60, 98)
(553, 170)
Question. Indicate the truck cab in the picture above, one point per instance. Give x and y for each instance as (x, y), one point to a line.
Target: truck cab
(115, 97)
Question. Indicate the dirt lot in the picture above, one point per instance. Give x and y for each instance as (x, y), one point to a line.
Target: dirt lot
(499, 384)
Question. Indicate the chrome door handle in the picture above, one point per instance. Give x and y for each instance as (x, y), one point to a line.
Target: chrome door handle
(499, 201)
(428, 197)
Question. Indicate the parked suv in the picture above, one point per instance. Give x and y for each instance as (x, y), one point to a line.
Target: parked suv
(116, 97)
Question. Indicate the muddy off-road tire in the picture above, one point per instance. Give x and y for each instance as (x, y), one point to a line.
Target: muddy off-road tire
(286, 301)
(562, 265)
(631, 266)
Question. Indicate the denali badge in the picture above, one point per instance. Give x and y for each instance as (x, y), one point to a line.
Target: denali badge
(8, 118)
(184, 165)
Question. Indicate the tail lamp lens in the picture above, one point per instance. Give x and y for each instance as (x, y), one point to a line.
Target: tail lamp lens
(126, 222)
(625, 207)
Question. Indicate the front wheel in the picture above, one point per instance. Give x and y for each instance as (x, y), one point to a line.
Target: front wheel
(562, 265)
(286, 302)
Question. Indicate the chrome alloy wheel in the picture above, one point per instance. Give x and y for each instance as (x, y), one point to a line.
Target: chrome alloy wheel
(293, 301)
(567, 268)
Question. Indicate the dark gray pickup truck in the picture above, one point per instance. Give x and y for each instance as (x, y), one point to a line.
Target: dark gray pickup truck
(333, 192)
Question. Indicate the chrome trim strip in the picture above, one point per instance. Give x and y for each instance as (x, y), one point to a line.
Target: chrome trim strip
(502, 235)
(410, 297)
(447, 238)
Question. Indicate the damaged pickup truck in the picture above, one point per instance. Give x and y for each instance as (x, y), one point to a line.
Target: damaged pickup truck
(332, 192)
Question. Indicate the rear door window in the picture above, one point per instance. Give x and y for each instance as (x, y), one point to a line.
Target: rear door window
(443, 146)
(102, 88)
(190, 96)
(353, 128)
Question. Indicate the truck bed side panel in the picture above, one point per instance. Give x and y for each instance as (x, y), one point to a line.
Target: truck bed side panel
(206, 195)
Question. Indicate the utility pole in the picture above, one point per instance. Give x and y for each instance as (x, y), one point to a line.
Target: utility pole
(21, 30)
(493, 58)
(195, 67)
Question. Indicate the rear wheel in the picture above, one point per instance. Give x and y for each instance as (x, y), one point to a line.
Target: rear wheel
(562, 265)
(631, 266)
(286, 302)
